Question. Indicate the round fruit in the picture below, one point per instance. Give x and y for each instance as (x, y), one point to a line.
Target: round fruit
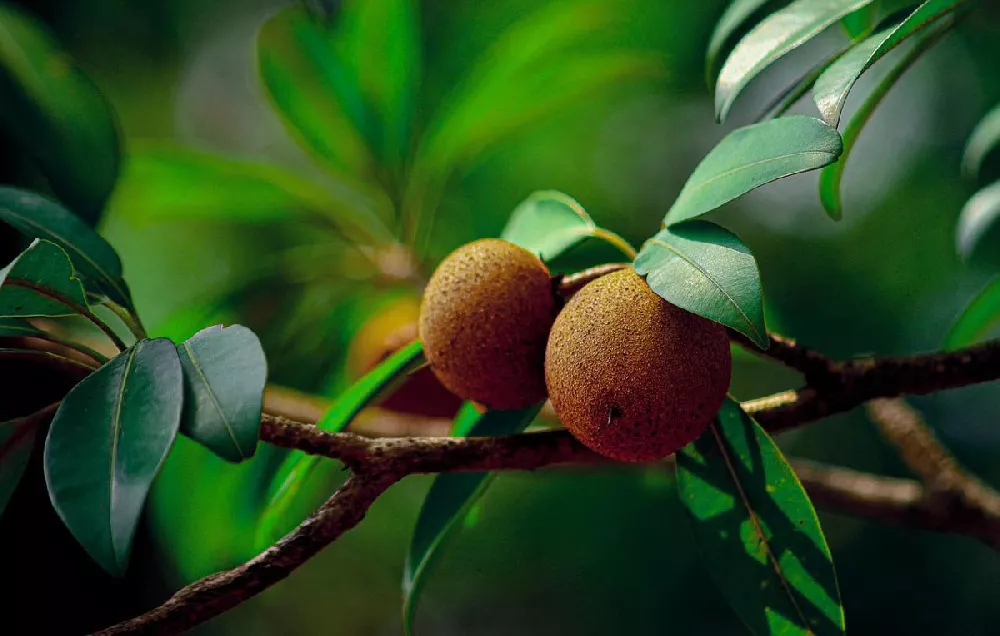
(632, 376)
(484, 322)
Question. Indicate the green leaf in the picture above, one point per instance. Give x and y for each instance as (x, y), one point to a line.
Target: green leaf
(860, 23)
(450, 497)
(17, 328)
(780, 33)
(290, 478)
(980, 214)
(382, 41)
(835, 84)
(94, 259)
(107, 442)
(56, 114)
(978, 319)
(312, 86)
(752, 156)
(224, 376)
(40, 282)
(707, 270)
(17, 438)
(831, 176)
(985, 138)
(550, 223)
(756, 529)
(736, 16)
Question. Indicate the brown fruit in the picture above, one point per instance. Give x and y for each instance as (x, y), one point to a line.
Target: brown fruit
(484, 322)
(632, 376)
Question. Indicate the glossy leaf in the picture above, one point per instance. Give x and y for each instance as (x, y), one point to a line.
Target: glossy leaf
(40, 282)
(835, 84)
(752, 156)
(54, 111)
(224, 375)
(796, 91)
(860, 23)
(736, 16)
(780, 33)
(979, 216)
(292, 475)
(17, 438)
(708, 271)
(550, 223)
(985, 138)
(978, 319)
(831, 176)
(94, 259)
(107, 442)
(450, 497)
(757, 531)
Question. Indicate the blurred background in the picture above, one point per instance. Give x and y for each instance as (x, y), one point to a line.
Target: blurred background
(230, 208)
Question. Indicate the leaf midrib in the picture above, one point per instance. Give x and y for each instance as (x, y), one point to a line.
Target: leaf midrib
(215, 400)
(116, 430)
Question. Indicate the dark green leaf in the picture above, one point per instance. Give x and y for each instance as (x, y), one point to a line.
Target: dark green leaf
(978, 319)
(985, 139)
(708, 271)
(736, 16)
(40, 282)
(106, 444)
(757, 531)
(752, 156)
(831, 176)
(860, 23)
(224, 376)
(451, 496)
(17, 438)
(550, 223)
(17, 328)
(57, 114)
(780, 33)
(95, 260)
(980, 214)
(288, 481)
(834, 85)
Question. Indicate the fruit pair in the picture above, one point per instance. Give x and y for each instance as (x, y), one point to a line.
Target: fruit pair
(630, 375)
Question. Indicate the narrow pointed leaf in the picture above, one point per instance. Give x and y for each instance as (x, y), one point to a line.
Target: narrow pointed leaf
(979, 216)
(736, 16)
(290, 478)
(40, 282)
(93, 258)
(757, 531)
(752, 156)
(224, 376)
(984, 140)
(978, 319)
(55, 112)
(778, 34)
(107, 442)
(831, 176)
(17, 438)
(791, 95)
(451, 496)
(708, 271)
(835, 84)
(550, 223)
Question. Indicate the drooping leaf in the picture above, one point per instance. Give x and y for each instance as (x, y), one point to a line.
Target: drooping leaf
(832, 175)
(752, 156)
(106, 443)
(780, 33)
(985, 138)
(550, 223)
(835, 84)
(708, 271)
(290, 478)
(17, 438)
(978, 319)
(54, 111)
(979, 216)
(224, 376)
(451, 496)
(17, 328)
(94, 259)
(736, 16)
(40, 282)
(756, 529)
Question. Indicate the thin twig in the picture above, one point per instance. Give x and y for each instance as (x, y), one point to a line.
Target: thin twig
(76, 307)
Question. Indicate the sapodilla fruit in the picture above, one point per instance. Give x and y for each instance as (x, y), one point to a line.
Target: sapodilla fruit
(632, 376)
(484, 322)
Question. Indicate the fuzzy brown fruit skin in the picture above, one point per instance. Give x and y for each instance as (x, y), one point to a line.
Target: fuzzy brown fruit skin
(632, 376)
(484, 323)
